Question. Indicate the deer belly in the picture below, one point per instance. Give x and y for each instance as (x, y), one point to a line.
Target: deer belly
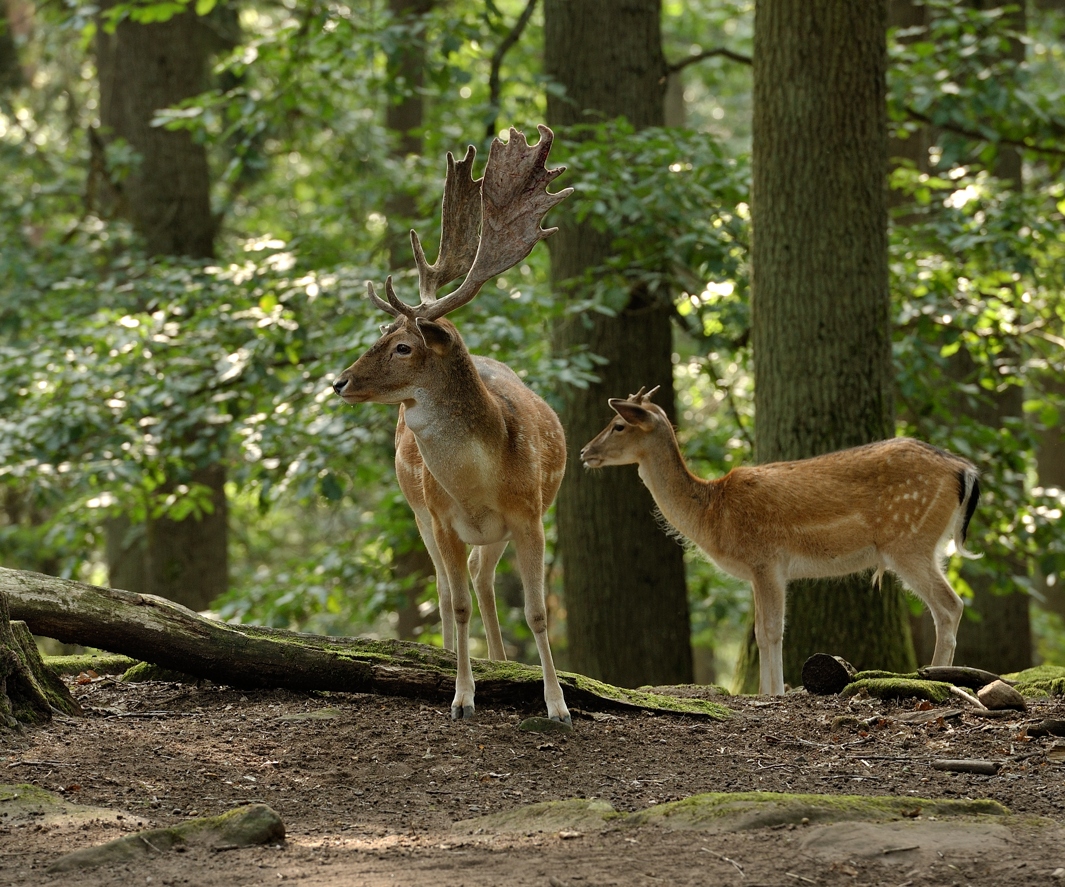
(479, 528)
(837, 563)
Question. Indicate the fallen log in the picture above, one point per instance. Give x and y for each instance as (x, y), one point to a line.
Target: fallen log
(153, 629)
(959, 675)
(826, 675)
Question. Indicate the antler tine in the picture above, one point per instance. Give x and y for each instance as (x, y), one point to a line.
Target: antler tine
(460, 221)
(514, 200)
(643, 396)
(394, 306)
(376, 299)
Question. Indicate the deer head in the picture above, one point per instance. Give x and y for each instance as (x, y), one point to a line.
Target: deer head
(623, 439)
(488, 225)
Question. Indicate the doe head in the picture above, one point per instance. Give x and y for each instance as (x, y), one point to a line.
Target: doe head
(624, 440)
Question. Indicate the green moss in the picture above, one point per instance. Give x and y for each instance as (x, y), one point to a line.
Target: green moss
(651, 701)
(896, 687)
(874, 674)
(101, 663)
(1040, 681)
(27, 794)
(149, 671)
(749, 810)
(241, 827)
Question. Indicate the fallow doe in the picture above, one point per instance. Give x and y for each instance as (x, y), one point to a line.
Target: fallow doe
(479, 456)
(892, 505)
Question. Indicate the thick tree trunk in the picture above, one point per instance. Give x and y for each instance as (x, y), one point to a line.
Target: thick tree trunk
(166, 195)
(29, 692)
(821, 329)
(159, 631)
(625, 593)
(143, 69)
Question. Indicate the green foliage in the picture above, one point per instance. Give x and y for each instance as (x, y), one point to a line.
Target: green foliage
(119, 373)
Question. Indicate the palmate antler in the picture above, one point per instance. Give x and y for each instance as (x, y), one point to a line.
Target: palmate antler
(488, 225)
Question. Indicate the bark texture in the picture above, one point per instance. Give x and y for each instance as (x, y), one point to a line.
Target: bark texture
(821, 329)
(29, 692)
(159, 631)
(143, 68)
(626, 599)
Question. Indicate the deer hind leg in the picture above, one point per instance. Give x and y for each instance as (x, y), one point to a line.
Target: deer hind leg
(529, 546)
(769, 601)
(453, 557)
(443, 586)
(926, 580)
(482, 564)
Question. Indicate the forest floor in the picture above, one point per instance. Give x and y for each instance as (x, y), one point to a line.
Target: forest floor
(375, 790)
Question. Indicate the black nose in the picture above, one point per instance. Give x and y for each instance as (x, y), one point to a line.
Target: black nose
(339, 385)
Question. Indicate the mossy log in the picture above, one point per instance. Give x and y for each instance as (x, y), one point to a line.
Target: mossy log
(29, 692)
(152, 629)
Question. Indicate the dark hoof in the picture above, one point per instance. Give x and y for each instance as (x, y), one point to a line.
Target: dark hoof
(461, 712)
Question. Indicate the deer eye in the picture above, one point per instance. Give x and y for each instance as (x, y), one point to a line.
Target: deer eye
(403, 348)
(619, 427)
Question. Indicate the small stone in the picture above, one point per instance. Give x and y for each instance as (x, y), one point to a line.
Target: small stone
(1000, 695)
(544, 725)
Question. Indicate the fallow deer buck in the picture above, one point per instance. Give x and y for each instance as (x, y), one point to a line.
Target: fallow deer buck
(479, 456)
(892, 505)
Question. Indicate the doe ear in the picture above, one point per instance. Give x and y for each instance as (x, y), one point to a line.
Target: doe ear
(436, 338)
(632, 413)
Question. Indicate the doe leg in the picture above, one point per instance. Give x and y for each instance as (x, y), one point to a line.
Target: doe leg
(931, 586)
(769, 602)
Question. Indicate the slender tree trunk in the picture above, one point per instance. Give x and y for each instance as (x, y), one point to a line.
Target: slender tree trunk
(821, 329)
(625, 594)
(997, 634)
(166, 195)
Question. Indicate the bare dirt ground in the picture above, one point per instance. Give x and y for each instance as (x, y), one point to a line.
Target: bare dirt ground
(370, 789)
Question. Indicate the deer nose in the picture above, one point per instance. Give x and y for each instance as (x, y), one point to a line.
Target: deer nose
(339, 385)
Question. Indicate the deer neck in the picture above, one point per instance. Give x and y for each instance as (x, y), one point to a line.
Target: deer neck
(684, 499)
(451, 410)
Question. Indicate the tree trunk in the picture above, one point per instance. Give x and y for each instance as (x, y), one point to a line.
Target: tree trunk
(166, 195)
(625, 594)
(155, 630)
(821, 328)
(142, 69)
(997, 633)
(29, 692)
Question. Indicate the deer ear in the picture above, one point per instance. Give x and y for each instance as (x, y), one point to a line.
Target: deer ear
(436, 338)
(632, 413)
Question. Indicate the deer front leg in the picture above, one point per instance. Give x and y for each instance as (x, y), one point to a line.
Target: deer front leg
(482, 564)
(443, 586)
(769, 601)
(453, 555)
(529, 546)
